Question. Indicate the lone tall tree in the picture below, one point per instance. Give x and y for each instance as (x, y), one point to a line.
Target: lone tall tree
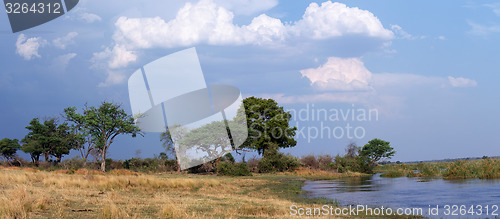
(104, 124)
(267, 123)
(377, 149)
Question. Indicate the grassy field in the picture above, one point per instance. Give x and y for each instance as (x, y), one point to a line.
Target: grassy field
(482, 169)
(29, 193)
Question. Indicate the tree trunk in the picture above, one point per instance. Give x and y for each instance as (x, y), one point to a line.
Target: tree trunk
(85, 158)
(103, 160)
(35, 159)
(46, 156)
(20, 164)
(217, 165)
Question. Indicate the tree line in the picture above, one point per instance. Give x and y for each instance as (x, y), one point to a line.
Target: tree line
(94, 129)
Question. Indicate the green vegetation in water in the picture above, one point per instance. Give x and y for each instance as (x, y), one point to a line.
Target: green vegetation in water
(482, 169)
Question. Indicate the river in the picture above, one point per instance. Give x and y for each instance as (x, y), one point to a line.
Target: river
(403, 192)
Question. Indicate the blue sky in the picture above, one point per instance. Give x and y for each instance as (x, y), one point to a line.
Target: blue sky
(429, 69)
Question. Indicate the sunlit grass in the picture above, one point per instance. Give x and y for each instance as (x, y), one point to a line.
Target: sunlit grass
(87, 194)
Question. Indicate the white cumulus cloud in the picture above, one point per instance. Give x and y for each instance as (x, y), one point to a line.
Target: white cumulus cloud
(28, 47)
(206, 22)
(247, 7)
(64, 41)
(203, 22)
(117, 57)
(336, 19)
(346, 74)
(461, 82)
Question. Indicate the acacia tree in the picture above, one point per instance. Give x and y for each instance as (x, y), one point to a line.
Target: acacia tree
(48, 138)
(376, 150)
(83, 138)
(8, 149)
(104, 124)
(33, 148)
(267, 123)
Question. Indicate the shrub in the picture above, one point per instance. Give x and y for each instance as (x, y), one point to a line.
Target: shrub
(228, 157)
(325, 162)
(231, 169)
(357, 164)
(74, 163)
(274, 161)
(310, 162)
(458, 169)
(252, 164)
(147, 165)
(429, 170)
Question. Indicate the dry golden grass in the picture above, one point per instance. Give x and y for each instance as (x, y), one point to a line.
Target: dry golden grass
(321, 174)
(124, 194)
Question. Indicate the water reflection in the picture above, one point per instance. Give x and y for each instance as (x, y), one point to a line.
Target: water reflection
(406, 192)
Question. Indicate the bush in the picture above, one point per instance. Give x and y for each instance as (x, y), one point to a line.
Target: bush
(231, 169)
(357, 164)
(252, 164)
(325, 162)
(228, 157)
(310, 162)
(147, 165)
(274, 161)
(74, 163)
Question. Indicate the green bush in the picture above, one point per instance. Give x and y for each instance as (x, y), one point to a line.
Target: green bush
(228, 157)
(149, 164)
(231, 169)
(356, 164)
(274, 161)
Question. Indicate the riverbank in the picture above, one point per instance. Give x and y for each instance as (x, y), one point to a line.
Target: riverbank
(462, 169)
(30, 193)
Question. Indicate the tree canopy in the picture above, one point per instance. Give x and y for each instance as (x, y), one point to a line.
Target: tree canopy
(104, 123)
(48, 138)
(377, 149)
(267, 123)
(8, 149)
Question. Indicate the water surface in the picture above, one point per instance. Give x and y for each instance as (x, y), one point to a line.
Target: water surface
(403, 192)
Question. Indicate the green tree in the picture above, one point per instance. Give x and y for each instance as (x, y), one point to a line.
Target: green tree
(168, 139)
(65, 142)
(48, 138)
(376, 150)
(33, 148)
(8, 149)
(104, 124)
(267, 123)
(83, 137)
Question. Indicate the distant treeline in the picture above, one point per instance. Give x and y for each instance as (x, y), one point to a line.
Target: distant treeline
(442, 160)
